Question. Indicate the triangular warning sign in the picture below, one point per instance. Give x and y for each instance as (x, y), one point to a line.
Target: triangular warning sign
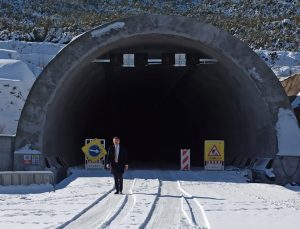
(214, 152)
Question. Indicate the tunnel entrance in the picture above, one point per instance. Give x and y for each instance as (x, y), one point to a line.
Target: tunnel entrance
(155, 108)
(150, 109)
(147, 111)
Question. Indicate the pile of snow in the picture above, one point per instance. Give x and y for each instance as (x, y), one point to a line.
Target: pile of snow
(16, 70)
(8, 54)
(35, 54)
(16, 80)
(20, 64)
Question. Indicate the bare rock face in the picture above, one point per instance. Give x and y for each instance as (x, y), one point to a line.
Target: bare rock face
(271, 24)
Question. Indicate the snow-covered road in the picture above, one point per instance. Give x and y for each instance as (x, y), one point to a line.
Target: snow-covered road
(152, 199)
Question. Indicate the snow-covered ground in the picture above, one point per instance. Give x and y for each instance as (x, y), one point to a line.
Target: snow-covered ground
(152, 199)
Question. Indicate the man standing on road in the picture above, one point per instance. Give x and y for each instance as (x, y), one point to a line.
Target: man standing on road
(117, 162)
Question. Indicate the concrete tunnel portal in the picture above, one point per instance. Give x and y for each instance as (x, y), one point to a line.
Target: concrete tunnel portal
(155, 106)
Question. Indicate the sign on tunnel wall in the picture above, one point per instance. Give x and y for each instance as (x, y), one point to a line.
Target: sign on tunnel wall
(214, 154)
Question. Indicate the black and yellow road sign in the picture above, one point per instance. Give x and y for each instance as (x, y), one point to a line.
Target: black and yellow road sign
(94, 150)
(214, 154)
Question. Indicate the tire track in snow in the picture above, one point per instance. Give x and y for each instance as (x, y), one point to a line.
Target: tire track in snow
(142, 201)
(167, 212)
(99, 212)
(147, 201)
(86, 209)
(196, 213)
(127, 203)
(143, 225)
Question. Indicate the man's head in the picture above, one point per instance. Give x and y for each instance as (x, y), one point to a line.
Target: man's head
(116, 140)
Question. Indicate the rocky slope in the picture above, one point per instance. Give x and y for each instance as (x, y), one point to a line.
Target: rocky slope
(268, 24)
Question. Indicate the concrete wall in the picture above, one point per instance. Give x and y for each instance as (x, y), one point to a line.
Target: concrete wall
(7, 143)
(26, 178)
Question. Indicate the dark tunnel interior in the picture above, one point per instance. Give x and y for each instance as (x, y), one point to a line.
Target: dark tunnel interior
(156, 110)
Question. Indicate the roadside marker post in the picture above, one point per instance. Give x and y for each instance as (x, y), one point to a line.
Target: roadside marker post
(185, 159)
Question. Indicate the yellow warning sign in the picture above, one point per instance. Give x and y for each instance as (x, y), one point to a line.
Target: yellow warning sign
(94, 150)
(213, 150)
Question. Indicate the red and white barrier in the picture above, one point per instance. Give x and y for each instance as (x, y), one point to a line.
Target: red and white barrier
(185, 159)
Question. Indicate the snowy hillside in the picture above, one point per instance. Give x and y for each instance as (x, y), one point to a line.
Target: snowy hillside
(269, 24)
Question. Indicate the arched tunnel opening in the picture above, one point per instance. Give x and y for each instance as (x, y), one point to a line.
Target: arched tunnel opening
(158, 107)
(123, 79)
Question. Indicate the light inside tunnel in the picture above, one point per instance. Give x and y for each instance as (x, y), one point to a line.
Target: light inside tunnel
(173, 59)
(157, 108)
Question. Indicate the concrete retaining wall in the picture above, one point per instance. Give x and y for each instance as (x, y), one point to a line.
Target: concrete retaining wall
(7, 143)
(26, 177)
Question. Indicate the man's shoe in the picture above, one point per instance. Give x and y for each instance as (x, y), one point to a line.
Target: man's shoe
(121, 193)
(117, 192)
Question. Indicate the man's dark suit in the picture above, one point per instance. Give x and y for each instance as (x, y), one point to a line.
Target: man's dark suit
(117, 169)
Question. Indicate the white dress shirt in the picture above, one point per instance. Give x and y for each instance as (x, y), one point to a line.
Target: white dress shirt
(117, 148)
